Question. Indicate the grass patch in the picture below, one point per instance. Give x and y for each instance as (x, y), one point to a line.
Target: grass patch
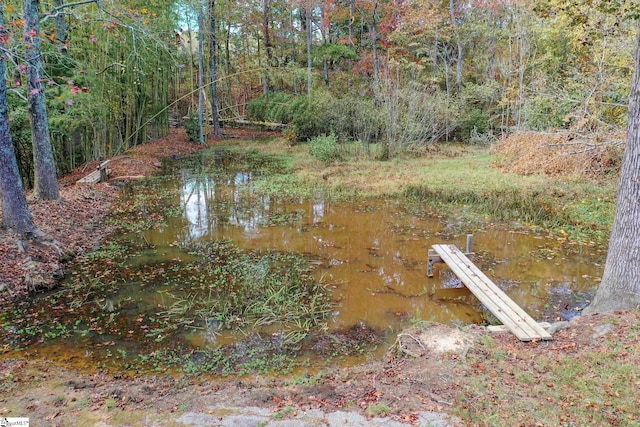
(378, 409)
(572, 395)
(594, 385)
(110, 403)
(282, 413)
(450, 180)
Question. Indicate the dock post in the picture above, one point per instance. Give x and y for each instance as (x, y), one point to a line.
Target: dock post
(432, 253)
(469, 243)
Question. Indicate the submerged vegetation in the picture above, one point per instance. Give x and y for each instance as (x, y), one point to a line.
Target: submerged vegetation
(231, 288)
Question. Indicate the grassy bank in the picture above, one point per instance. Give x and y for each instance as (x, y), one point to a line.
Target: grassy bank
(453, 181)
(586, 376)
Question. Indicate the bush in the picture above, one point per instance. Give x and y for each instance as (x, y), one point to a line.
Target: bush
(414, 118)
(354, 117)
(325, 148)
(545, 114)
(192, 127)
(476, 123)
(307, 116)
(310, 115)
(271, 107)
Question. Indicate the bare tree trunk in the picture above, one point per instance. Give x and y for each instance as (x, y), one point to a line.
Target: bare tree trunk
(191, 69)
(436, 49)
(325, 60)
(268, 47)
(213, 64)
(15, 211)
(352, 18)
(309, 20)
(521, 70)
(45, 182)
(620, 286)
(62, 29)
(374, 42)
(294, 52)
(227, 47)
(201, 75)
(523, 47)
(459, 46)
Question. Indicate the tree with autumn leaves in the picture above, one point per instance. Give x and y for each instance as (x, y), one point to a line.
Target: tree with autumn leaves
(404, 73)
(22, 44)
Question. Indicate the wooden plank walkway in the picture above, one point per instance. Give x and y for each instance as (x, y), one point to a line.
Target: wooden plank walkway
(101, 174)
(503, 307)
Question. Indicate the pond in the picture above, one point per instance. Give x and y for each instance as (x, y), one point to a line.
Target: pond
(154, 296)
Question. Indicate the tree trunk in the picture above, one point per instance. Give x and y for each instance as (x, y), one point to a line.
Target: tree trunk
(620, 286)
(374, 42)
(459, 46)
(62, 29)
(268, 46)
(45, 182)
(352, 19)
(201, 75)
(213, 47)
(323, 33)
(227, 48)
(309, 21)
(15, 211)
(294, 52)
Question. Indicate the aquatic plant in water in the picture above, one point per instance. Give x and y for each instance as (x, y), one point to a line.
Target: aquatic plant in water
(230, 288)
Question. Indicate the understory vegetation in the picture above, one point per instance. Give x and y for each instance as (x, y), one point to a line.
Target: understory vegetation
(577, 202)
(398, 75)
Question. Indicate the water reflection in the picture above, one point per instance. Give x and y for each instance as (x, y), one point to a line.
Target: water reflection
(207, 209)
(318, 209)
(195, 198)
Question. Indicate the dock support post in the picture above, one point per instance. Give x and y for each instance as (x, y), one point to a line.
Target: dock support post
(434, 258)
(103, 171)
(432, 253)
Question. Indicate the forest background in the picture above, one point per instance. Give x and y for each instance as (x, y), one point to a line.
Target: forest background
(400, 73)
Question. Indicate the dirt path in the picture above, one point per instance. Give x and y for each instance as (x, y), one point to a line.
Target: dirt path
(450, 371)
(382, 393)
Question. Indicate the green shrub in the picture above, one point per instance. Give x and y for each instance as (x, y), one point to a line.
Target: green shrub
(414, 118)
(544, 114)
(21, 136)
(272, 107)
(310, 115)
(325, 148)
(192, 127)
(354, 117)
(476, 123)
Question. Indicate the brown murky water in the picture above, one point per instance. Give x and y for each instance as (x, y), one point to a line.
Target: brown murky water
(375, 253)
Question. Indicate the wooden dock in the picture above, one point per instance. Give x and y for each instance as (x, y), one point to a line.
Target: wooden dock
(504, 308)
(101, 174)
